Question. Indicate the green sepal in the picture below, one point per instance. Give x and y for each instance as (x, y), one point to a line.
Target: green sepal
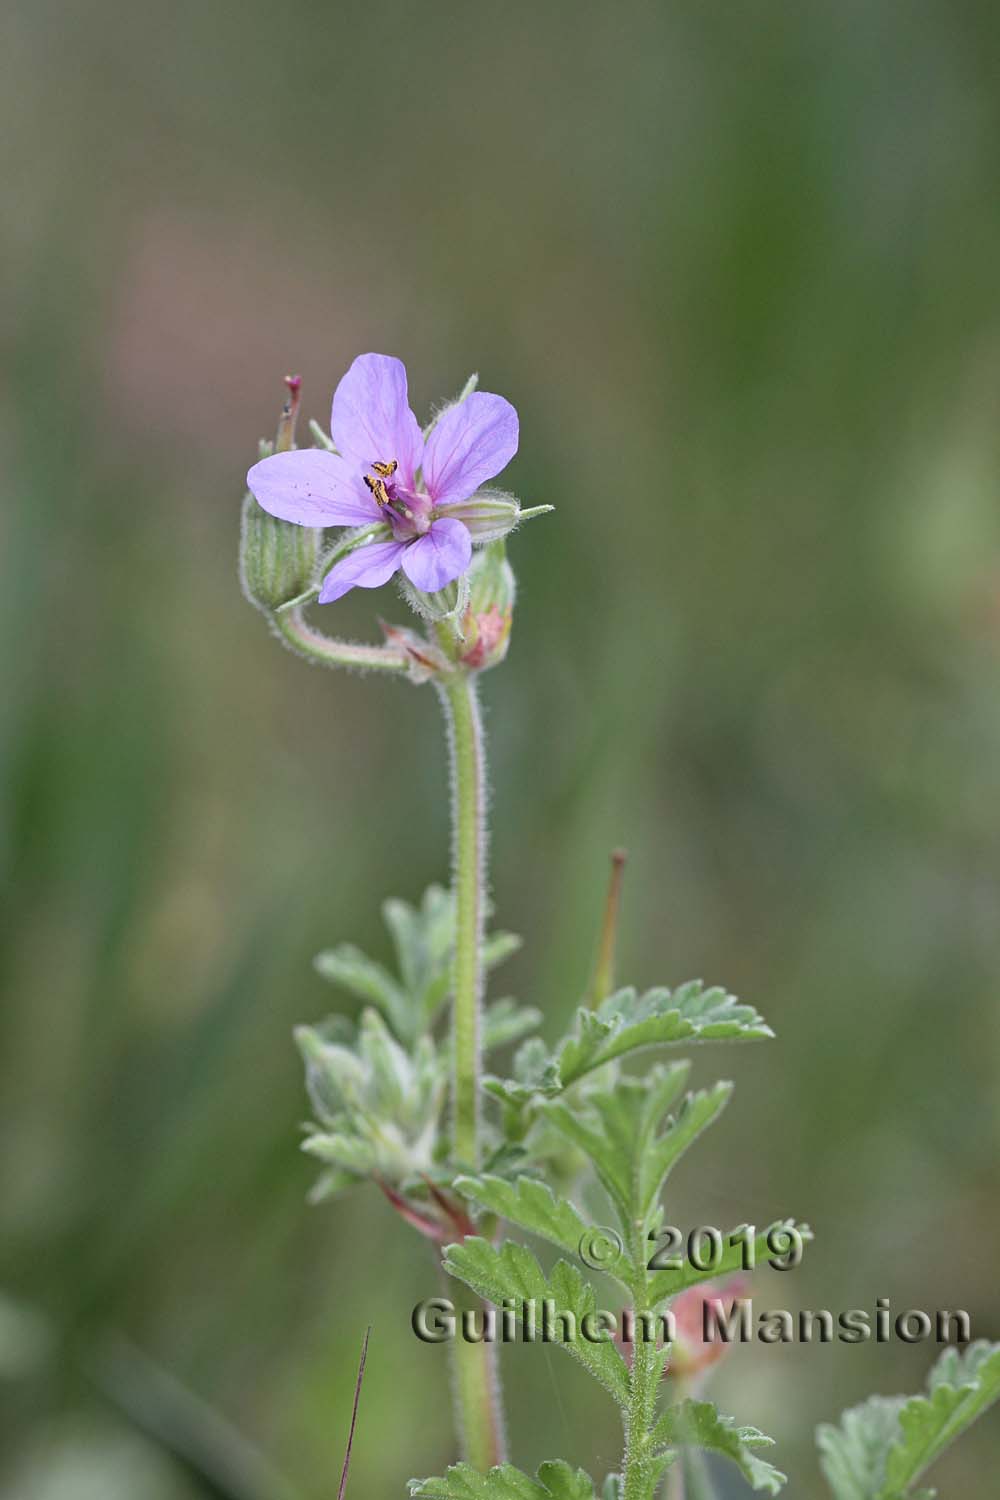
(699, 1424)
(278, 560)
(511, 1270)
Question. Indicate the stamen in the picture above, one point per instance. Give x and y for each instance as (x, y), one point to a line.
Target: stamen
(378, 489)
(386, 471)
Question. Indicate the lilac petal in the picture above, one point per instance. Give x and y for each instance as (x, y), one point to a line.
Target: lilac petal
(439, 556)
(471, 443)
(372, 421)
(366, 568)
(311, 488)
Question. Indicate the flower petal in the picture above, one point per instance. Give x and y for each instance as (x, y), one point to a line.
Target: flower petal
(471, 443)
(372, 421)
(366, 568)
(311, 488)
(439, 556)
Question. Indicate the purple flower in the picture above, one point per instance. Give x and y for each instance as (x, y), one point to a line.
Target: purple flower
(385, 471)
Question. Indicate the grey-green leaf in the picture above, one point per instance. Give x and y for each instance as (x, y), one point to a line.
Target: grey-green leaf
(616, 1128)
(512, 1271)
(670, 1283)
(628, 1022)
(531, 1204)
(362, 977)
(504, 1022)
(555, 1481)
(961, 1387)
(853, 1455)
(698, 1424)
(882, 1448)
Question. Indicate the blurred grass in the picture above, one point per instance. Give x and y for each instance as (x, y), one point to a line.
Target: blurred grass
(737, 269)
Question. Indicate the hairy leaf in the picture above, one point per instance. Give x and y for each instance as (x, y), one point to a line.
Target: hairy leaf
(531, 1204)
(504, 1021)
(698, 1424)
(853, 1455)
(961, 1387)
(627, 1022)
(616, 1127)
(424, 939)
(512, 1271)
(882, 1448)
(362, 977)
(669, 1283)
(555, 1481)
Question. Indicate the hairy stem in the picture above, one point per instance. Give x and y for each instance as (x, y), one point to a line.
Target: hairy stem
(475, 1370)
(475, 1383)
(639, 1469)
(468, 794)
(294, 631)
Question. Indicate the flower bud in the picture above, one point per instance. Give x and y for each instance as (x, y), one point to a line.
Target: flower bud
(489, 514)
(446, 604)
(277, 560)
(487, 620)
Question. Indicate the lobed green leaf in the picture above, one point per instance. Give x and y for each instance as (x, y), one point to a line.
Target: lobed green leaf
(699, 1424)
(555, 1481)
(530, 1203)
(882, 1448)
(629, 1022)
(670, 1283)
(511, 1270)
(616, 1128)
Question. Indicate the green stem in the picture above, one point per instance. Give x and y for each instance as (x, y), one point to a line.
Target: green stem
(475, 1369)
(294, 631)
(476, 1388)
(639, 1468)
(468, 791)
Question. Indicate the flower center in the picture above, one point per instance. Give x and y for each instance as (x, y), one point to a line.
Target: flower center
(408, 513)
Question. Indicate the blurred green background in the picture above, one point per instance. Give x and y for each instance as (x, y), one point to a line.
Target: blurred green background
(736, 266)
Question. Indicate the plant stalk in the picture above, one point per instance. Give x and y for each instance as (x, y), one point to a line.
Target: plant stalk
(295, 632)
(468, 794)
(475, 1369)
(639, 1469)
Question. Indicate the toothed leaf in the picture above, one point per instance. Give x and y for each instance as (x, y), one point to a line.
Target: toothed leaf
(698, 1424)
(366, 980)
(882, 1448)
(853, 1455)
(505, 1021)
(555, 1480)
(670, 1283)
(628, 1022)
(531, 1204)
(616, 1127)
(961, 1387)
(512, 1271)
